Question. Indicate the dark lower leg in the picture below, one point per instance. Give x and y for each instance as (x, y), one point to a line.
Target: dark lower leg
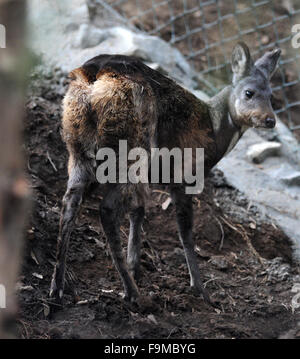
(134, 242)
(184, 216)
(110, 213)
(71, 205)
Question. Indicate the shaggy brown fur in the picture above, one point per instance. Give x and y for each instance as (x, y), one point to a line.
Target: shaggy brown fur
(117, 104)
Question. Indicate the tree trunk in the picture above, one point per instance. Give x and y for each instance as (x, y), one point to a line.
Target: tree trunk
(13, 187)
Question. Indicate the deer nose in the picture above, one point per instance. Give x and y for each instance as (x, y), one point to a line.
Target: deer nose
(270, 122)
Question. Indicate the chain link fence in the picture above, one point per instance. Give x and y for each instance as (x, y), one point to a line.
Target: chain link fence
(206, 31)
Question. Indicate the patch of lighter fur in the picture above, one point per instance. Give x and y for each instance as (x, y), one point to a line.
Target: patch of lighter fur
(101, 89)
(216, 122)
(237, 105)
(237, 134)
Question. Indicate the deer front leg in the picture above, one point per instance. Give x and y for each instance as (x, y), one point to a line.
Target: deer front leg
(70, 208)
(134, 241)
(184, 217)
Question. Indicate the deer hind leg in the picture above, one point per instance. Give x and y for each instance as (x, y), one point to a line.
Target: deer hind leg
(136, 218)
(184, 217)
(72, 199)
(111, 214)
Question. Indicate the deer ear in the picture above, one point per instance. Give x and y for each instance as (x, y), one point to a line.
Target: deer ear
(268, 62)
(241, 61)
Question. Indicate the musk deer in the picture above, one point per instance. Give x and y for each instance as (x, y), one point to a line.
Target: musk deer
(114, 97)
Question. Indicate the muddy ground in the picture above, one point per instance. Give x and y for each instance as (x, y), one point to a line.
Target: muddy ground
(252, 285)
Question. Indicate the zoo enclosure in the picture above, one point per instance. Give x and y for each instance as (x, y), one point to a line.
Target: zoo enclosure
(206, 31)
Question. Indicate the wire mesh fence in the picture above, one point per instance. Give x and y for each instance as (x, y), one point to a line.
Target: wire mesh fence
(206, 31)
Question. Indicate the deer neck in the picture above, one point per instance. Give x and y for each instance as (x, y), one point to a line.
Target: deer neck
(227, 133)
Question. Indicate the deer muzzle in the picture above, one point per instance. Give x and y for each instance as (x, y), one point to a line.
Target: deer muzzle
(270, 122)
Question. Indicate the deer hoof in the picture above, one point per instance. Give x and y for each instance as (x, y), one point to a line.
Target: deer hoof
(200, 291)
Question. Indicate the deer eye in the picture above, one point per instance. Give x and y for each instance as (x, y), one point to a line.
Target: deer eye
(249, 93)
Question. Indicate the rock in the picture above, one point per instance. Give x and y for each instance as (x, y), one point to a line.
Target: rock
(265, 40)
(37, 275)
(292, 179)
(288, 5)
(70, 50)
(156, 49)
(152, 319)
(89, 36)
(296, 278)
(178, 252)
(296, 288)
(262, 186)
(201, 95)
(278, 271)
(50, 21)
(290, 145)
(252, 225)
(259, 152)
(220, 262)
